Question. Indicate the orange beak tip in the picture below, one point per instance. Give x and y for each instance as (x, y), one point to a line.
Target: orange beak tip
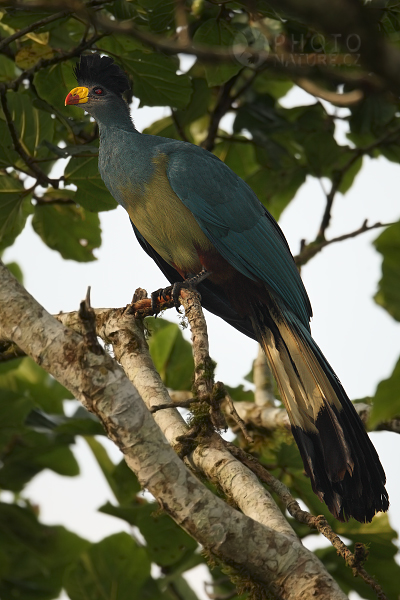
(70, 99)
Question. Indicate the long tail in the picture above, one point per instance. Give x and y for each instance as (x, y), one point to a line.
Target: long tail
(337, 453)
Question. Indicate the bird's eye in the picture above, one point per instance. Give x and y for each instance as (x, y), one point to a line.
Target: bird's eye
(98, 91)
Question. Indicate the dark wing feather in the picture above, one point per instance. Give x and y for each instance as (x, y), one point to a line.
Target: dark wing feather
(212, 299)
(236, 222)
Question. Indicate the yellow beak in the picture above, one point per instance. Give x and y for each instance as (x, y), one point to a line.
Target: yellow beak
(78, 95)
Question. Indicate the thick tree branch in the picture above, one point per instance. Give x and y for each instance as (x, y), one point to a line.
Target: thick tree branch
(278, 563)
(327, 15)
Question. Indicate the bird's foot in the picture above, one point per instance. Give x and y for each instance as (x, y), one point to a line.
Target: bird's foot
(174, 291)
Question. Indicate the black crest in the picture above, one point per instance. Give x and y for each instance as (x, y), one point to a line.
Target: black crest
(94, 69)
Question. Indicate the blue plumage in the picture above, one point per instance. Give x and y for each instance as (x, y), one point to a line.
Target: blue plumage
(191, 213)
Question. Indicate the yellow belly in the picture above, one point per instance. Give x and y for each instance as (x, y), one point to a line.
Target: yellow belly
(165, 222)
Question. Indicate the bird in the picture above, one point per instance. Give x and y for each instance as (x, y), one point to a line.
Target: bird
(205, 227)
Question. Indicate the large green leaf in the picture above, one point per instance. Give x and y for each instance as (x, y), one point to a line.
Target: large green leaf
(388, 294)
(370, 118)
(171, 354)
(71, 230)
(155, 80)
(217, 32)
(166, 543)
(92, 194)
(122, 481)
(239, 156)
(32, 452)
(386, 402)
(15, 206)
(14, 410)
(54, 83)
(25, 377)
(276, 188)
(7, 68)
(160, 14)
(115, 568)
(198, 105)
(32, 127)
(30, 54)
(37, 555)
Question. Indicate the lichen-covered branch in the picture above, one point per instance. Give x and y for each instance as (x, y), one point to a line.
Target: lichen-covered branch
(276, 563)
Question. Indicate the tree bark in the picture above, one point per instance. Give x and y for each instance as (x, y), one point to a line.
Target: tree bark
(273, 561)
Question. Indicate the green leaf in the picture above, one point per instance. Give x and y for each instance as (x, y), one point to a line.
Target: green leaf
(14, 410)
(73, 231)
(7, 68)
(122, 10)
(350, 174)
(239, 394)
(114, 568)
(388, 294)
(92, 194)
(217, 32)
(171, 354)
(155, 81)
(386, 402)
(54, 83)
(37, 555)
(164, 127)
(16, 270)
(370, 117)
(269, 83)
(15, 206)
(126, 484)
(160, 14)
(198, 105)
(25, 377)
(167, 544)
(239, 156)
(277, 188)
(122, 481)
(28, 56)
(183, 589)
(32, 127)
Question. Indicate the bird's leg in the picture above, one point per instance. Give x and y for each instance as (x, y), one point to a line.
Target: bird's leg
(175, 289)
(189, 284)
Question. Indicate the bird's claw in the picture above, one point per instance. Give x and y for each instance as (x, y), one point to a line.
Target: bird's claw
(155, 299)
(174, 291)
(163, 294)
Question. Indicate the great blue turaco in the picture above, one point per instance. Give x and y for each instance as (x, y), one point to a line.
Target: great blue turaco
(195, 217)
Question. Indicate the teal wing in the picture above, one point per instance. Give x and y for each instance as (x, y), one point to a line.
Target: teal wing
(236, 222)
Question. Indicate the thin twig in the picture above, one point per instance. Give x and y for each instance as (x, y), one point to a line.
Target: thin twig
(389, 137)
(235, 416)
(181, 404)
(308, 251)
